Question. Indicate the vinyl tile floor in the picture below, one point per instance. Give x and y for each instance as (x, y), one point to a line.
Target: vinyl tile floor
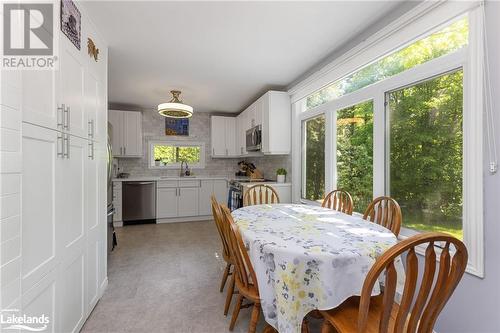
(165, 278)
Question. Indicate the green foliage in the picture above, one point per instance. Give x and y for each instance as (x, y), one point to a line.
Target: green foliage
(281, 171)
(433, 46)
(314, 130)
(174, 154)
(355, 153)
(425, 137)
(426, 151)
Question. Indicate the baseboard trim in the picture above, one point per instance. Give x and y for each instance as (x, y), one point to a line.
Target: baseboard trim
(185, 219)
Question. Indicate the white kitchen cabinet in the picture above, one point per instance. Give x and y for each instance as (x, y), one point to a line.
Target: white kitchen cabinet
(43, 299)
(71, 89)
(241, 134)
(42, 164)
(126, 138)
(63, 259)
(95, 194)
(218, 136)
(276, 123)
(184, 198)
(166, 202)
(258, 113)
(39, 98)
(132, 135)
(187, 203)
(95, 109)
(204, 202)
(71, 218)
(284, 190)
(223, 136)
(220, 190)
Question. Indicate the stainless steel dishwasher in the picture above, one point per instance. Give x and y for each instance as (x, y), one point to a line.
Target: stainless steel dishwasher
(139, 201)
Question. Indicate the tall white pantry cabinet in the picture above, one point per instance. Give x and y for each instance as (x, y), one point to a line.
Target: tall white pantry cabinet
(53, 184)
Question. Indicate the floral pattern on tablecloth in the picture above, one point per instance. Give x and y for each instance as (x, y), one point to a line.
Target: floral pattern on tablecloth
(308, 257)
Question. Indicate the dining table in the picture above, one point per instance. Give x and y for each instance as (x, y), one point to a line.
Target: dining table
(308, 258)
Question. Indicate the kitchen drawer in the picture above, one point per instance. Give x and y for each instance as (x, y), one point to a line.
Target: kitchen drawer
(189, 183)
(166, 183)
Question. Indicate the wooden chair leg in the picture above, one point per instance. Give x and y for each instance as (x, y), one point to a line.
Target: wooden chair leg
(254, 319)
(236, 312)
(269, 329)
(229, 296)
(327, 327)
(224, 277)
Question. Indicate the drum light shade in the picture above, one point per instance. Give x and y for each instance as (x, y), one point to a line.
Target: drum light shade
(175, 108)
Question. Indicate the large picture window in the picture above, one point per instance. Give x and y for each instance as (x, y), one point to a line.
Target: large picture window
(406, 125)
(355, 153)
(313, 159)
(426, 152)
(170, 154)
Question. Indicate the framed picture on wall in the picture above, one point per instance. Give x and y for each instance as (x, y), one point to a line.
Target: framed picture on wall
(71, 22)
(177, 126)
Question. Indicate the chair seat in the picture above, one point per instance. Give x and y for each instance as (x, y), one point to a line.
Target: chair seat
(344, 318)
(251, 292)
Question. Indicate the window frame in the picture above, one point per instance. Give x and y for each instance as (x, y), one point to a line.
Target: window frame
(303, 155)
(469, 59)
(175, 143)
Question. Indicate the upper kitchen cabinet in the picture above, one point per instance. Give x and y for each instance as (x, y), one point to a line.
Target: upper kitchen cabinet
(71, 98)
(223, 136)
(126, 136)
(276, 123)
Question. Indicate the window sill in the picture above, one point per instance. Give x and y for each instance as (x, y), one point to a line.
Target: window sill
(406, 233)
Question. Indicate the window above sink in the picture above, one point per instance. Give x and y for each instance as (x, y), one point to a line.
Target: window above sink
(170, 154)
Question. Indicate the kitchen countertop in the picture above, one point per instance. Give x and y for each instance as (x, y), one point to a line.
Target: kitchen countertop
(153, 178)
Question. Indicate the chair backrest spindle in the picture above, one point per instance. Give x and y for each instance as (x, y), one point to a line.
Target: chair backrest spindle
(386, 212)
(419, 307)
(260, 194)
(339, 200)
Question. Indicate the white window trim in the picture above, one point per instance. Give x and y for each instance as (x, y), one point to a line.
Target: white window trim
(470, 59)
(199, 165)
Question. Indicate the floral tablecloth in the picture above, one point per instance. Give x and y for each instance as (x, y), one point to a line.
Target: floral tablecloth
(308, 257)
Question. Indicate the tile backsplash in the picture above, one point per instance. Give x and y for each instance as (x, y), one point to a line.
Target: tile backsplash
(153, 128)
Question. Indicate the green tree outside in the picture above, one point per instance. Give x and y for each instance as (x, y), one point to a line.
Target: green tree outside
(425, 134)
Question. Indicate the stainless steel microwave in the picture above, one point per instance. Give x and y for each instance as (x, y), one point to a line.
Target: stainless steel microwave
(254, 138)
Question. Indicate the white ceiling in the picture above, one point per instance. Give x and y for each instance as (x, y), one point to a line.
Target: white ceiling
(222, 55)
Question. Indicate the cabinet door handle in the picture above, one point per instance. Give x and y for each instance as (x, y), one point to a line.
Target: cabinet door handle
(91, 128)
(67, 111)
(67, 144)
(60, 144)
(226, 152)
(213, 151)
(60, 115)
(124, 150)
(91, 150)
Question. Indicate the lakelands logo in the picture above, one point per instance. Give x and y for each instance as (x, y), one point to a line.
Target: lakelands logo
(28, 36)
(11, 319)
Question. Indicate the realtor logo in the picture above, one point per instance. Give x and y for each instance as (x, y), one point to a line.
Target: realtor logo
(28, 36)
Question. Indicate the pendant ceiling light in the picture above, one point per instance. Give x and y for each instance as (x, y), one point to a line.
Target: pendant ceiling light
(175, 108)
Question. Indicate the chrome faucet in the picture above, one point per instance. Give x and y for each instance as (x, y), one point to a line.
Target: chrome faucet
(186, 171)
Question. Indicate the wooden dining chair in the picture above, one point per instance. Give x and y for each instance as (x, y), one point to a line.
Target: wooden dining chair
(339, 200)
(420, 303)
(260, 194)
(244, 276)
(226, 254)
(386, 212)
